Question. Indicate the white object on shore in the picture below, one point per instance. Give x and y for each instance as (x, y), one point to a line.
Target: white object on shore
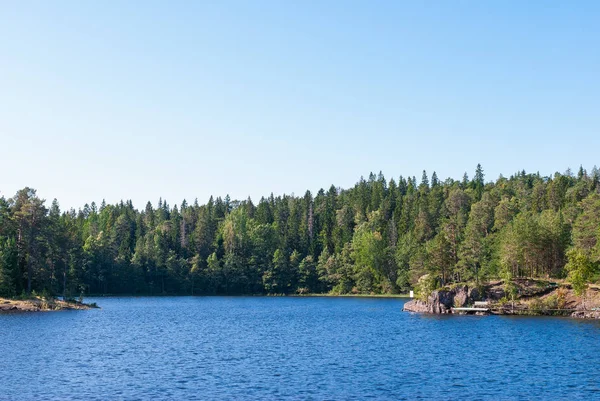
(412, 294)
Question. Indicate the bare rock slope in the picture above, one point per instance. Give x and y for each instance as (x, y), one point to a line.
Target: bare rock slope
(38, 304)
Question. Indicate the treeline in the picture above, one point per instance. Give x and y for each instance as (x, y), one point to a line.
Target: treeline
(378, 237)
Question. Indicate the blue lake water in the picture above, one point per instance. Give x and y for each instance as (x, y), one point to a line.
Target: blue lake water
(185, 348)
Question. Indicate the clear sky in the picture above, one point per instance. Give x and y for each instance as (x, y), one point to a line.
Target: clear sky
(138, 100)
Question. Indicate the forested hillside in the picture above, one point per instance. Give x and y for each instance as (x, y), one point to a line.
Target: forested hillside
(378, 237)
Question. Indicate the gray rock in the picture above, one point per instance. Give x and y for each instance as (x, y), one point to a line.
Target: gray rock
(586, 314)
(416, 306)
(461, 297)
(442, 301)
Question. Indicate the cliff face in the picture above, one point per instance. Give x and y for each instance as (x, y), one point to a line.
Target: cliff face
(442, 301)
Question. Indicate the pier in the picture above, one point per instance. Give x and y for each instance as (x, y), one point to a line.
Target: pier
(471, 310)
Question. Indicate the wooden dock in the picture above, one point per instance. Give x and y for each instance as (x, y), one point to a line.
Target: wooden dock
(479, 307)
(476, 310)
(467, 310)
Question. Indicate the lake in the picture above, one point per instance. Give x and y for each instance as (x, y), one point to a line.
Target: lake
(269, 348)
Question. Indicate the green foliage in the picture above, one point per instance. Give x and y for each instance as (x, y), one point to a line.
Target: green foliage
(551, 305)
(587, 225)
(580, 269)
(8, 264)
(510, 289)
(368, 255)
(378, 237)
(533, 244)
(426, 284)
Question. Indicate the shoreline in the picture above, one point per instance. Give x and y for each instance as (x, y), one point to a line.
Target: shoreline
(531, 298)
(316, 295)
(39, 304)
(350, 295)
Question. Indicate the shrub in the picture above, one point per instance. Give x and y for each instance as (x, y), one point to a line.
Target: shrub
(425, 286)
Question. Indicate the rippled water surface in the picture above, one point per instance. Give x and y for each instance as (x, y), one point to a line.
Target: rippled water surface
(291, 348)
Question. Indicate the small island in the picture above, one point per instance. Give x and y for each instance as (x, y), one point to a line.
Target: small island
(40, 304)
(521, 296)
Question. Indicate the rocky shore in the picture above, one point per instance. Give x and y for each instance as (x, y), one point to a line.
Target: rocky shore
(532, 297)
(38, 304)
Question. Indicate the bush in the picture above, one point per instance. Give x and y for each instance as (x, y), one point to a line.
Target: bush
(425, 286)
(550, 305)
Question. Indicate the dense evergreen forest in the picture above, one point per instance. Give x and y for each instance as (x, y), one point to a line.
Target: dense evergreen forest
(378, 237)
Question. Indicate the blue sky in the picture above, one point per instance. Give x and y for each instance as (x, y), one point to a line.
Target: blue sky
(138, 100)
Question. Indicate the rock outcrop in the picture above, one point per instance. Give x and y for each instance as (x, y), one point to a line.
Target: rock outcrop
(442, 301)
(532, 297)
(586, 314)
(416, 306)
(40, 304)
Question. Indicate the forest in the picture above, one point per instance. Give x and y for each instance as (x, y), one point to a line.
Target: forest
(379, 237)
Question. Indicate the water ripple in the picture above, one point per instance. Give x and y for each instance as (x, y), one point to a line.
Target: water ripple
(291, 348)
